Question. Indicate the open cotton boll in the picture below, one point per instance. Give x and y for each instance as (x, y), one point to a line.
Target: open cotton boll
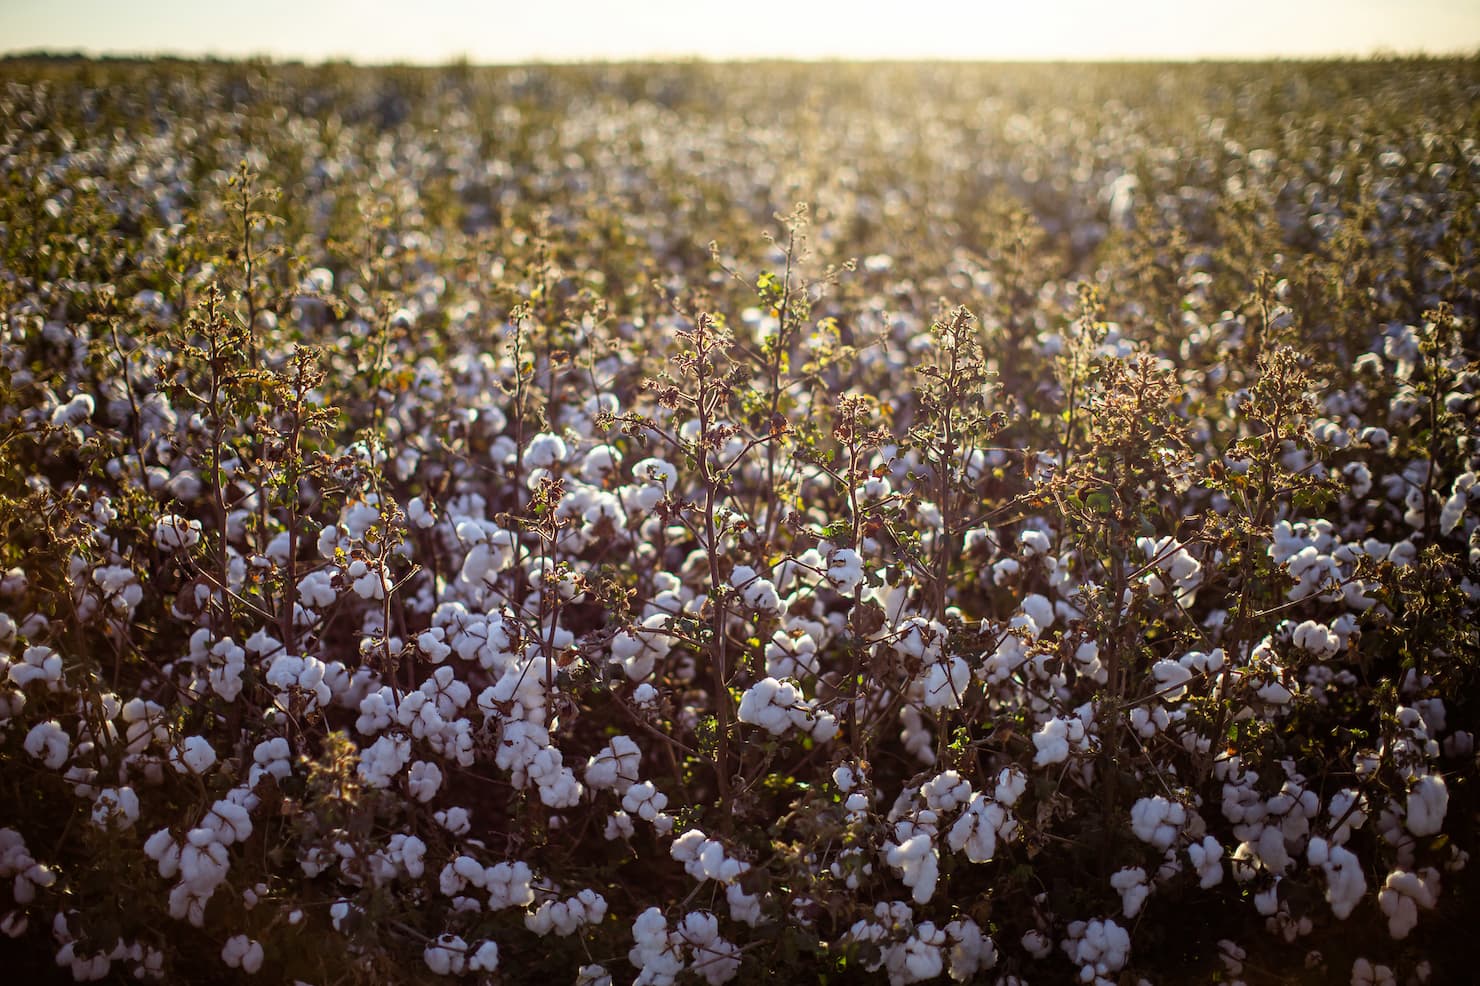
(368, 580)
(194, 754)
(1037, 608)
(1365, 973)
(1171, 678)
(639, 648)
(845, 777)
(705, 858)
(241, 952)
(446, 955)
(1054, 739)
(970, 950)
(977, 830)
(509, 884)
(1206, 858)
(765, 704)
(74, 412)
(1345, 883)
(917, 863)
(644, 800)
(1036, 943)
(383, 760)
(946, 791)
(36, 664)
(1130, 883)
(545, 451)
(116, 808)
(424, 780)
(49, 743)
(1157, 821)
(755, 592)
(316, 589)
(1034, 542)
(175, 533)
(789, 656)
(565, 917)
(1316, 639)
(1402, 894)
(945, 683)
(491, 550)
(1099, 947)
(920, 639)
(845, 571)
(1428, 801)
(484, 958)
(614, 765)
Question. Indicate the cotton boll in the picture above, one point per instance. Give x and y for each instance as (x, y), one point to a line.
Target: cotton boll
(1036, 944)
(545, 451)
(1206, 858)
(845, 571)
(420, 513)
(917, 863)
(639, 648)
(194, 755)
(945, 682)
(845, 778)
(1038, 609)
(792, 655)
(37, 664)
(241, 952)
(446, 956)
(644, 801)
(175, 533)
(765, 704)
(484, 958)
(970, 950)
(919, 957)
(1157, 821)
(615, 765)
(1428, 801)
(77, 410)
(1171, 678)
(593, 975)
(49, 743)
(1317, 639)
(1034, 542)
(385, 758)
(1130, 883)
(424, 780)
(316, 589)
(755, 592)
(1100, 948)
(116, 808)
(1345, 883)
(946, 791)
(368, 581)
(565, 917)
(1054, 739)
(1365, 973)
(1402, 894)
(1011, 785)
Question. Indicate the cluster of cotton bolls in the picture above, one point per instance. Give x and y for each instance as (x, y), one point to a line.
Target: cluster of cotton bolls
(422, 587)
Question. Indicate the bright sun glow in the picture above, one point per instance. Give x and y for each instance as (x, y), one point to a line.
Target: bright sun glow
(566, 30)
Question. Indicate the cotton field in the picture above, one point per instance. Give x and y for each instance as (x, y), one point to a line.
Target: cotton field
(739, 523)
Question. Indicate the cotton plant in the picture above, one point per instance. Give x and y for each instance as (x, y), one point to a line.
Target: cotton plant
(433, 587)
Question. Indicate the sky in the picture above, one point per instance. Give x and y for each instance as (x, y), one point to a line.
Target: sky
(500, 31)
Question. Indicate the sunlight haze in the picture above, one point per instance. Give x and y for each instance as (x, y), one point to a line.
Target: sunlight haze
(437, 31)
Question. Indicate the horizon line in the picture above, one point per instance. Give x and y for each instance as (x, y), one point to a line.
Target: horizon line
(660, 58)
